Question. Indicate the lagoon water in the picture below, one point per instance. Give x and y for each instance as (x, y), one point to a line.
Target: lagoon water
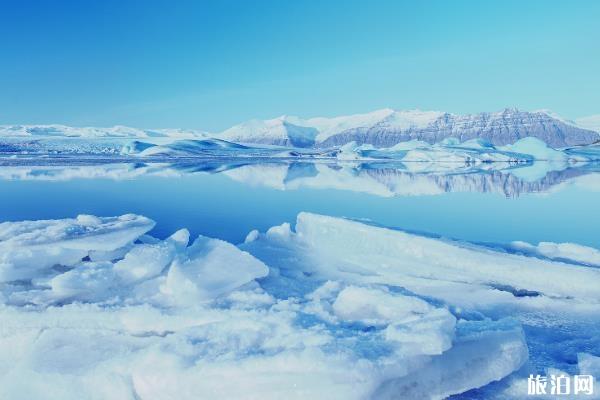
(227, 202)
(484, 205)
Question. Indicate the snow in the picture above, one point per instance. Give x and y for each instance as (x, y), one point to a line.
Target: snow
(411, 119)
(330, 126)
(320, 128)
(590, 122)
(381, 128)
(329, 308)
(557, 116)
(387, 127)
(281, 131)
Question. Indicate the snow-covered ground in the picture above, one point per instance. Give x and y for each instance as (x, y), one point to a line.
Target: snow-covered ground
(330, 308)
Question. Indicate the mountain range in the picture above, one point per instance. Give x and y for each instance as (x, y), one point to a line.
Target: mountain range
(381, 128)
(387, 127)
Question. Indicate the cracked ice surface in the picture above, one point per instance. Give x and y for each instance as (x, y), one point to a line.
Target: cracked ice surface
(96, 308)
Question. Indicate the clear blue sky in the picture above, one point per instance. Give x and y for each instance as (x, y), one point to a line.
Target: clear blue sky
(208, 65)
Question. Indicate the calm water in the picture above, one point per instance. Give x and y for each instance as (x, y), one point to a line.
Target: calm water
(475, 206)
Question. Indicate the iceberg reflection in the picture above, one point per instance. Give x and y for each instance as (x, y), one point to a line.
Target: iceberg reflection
(385, 179)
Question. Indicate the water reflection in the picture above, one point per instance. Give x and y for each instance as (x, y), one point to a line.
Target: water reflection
(386, 179)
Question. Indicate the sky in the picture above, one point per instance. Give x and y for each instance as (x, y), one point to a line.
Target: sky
(211, 64)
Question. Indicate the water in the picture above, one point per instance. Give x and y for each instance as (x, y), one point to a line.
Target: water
(229, 201)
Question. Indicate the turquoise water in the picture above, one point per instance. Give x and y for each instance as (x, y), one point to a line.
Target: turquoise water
(218, 206)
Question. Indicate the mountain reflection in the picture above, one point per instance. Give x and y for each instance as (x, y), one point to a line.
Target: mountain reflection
(385, 179)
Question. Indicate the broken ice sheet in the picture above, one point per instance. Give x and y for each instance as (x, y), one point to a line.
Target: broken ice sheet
(331, 309)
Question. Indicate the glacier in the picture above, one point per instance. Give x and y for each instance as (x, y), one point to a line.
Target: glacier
(118, 131)
(96, 307)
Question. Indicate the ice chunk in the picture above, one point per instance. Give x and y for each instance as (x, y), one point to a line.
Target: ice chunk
(376, 306)
(112, 255)
(561, 251)
(382, 255)
(409, 325)
(87, 282)
(552, 299)
(423, 333)
(485, 352)
(588, 364)
(214, 268)
(145, 261)
(30, 246)
(344, 310)
(251, 236)
(180, 239)
(282, 231)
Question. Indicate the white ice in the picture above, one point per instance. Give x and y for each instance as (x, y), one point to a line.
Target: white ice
(561, 251)
(330, 309)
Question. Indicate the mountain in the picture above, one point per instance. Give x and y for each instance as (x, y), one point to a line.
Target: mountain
(382, 129)
(386, 128)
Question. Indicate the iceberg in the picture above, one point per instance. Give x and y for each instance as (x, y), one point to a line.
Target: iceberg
(190, 148)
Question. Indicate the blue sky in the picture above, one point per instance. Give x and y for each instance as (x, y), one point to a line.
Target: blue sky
(209, 65)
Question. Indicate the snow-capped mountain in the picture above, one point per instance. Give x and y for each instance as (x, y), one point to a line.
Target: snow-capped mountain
(93, 132)
(387, 127)
(382, 129)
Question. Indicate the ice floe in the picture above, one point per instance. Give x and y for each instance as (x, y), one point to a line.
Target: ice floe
(329, 308)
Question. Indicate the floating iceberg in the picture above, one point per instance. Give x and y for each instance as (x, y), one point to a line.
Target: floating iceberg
(190, 148)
